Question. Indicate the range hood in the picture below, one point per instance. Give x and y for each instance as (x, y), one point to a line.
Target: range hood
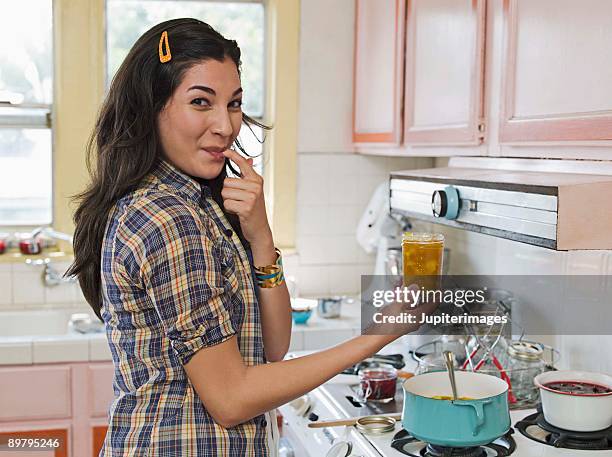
(555, 210)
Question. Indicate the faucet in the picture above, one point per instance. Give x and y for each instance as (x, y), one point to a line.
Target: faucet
(51, 233)
(50, 277)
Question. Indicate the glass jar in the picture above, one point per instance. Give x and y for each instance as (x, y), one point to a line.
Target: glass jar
(422, 255)
(378, 383)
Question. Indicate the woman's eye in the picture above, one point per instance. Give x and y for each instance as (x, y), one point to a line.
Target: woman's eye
(236, 104)
(200, 102)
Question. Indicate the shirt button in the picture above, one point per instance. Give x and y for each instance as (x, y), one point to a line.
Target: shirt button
(229, 233)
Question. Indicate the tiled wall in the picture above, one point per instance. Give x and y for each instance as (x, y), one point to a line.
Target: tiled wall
(22, 287)
(333, 192)
(473, 253)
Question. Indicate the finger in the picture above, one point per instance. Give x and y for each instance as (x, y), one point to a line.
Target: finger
(245, 168)
(238, 195)
(234, 206)
(238, 183)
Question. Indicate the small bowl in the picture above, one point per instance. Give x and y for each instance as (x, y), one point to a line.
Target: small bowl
(301, 316)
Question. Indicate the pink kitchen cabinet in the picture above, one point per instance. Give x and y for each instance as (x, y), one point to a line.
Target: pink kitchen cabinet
(557, 71)
(68, 401)
(503, 78)
(378, 72)
(419, 77)
(444, 80)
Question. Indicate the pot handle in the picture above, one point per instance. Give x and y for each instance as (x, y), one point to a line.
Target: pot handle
(478, 409)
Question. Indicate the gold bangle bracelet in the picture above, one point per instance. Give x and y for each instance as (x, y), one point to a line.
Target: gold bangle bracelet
(270, 275)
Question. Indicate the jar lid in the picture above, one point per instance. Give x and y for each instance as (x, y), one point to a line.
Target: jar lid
(526, 350)
(375, 424)
(423, 237)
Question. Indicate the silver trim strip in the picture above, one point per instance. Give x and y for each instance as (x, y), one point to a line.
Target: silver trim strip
(505, 197)
(527, 221)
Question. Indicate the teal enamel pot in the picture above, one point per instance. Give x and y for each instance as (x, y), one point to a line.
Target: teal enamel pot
(479, 419)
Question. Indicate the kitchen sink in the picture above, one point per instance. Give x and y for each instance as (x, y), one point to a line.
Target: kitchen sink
(36, 323)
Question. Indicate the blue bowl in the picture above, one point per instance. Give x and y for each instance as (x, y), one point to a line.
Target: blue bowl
(301, 316)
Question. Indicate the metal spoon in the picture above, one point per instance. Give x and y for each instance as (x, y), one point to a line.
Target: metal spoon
(449, 358)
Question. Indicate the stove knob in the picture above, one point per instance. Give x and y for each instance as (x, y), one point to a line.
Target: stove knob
(313, 417)
(445, 203)
(439, 203)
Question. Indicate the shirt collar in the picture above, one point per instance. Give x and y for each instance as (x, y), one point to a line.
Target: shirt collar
(186, 185)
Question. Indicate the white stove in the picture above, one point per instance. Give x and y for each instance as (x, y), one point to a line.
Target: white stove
(329, 402)
(311, 442)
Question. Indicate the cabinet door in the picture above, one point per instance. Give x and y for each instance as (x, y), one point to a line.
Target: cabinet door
(379, 64)
(23, 397)
(101, 388)
(444, 72)
(557, 71)
(98, 434)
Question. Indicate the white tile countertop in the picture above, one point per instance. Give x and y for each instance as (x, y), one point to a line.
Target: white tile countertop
(28, 350)
(48, 339)
(319, 333)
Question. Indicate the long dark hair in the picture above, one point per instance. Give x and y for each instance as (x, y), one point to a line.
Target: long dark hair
(125, 145)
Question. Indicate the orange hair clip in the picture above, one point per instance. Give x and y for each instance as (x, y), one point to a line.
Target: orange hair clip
(163, 42)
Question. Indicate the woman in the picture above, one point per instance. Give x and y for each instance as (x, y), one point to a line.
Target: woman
(165, 245)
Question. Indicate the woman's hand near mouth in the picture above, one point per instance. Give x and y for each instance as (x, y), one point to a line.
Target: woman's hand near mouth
(244, 197)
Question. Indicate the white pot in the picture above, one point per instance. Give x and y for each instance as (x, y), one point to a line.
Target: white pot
(576, 412)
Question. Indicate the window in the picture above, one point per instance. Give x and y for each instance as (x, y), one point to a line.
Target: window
(26, 87)
(242, 21)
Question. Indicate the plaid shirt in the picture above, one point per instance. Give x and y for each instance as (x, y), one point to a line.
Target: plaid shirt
(175, 278)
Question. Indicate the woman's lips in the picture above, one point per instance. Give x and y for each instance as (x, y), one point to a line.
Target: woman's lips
(215, 154)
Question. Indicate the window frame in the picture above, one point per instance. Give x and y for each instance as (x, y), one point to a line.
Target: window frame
(42, 120)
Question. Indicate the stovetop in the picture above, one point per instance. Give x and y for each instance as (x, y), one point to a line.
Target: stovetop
(344, 398)
(331, 402)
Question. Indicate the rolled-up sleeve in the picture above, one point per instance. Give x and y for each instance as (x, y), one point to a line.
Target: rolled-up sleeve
(168, 247)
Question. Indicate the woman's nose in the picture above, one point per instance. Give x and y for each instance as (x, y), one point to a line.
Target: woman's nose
(221, 123)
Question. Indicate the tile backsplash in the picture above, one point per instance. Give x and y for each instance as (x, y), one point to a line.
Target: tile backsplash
(474, 253)
(22, 287)
(333, 191)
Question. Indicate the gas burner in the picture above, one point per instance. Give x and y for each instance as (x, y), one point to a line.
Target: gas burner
(404, 442)
(443, 451)
(536, 428)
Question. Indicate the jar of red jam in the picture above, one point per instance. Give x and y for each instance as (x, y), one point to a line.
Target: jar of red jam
(378, 383)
